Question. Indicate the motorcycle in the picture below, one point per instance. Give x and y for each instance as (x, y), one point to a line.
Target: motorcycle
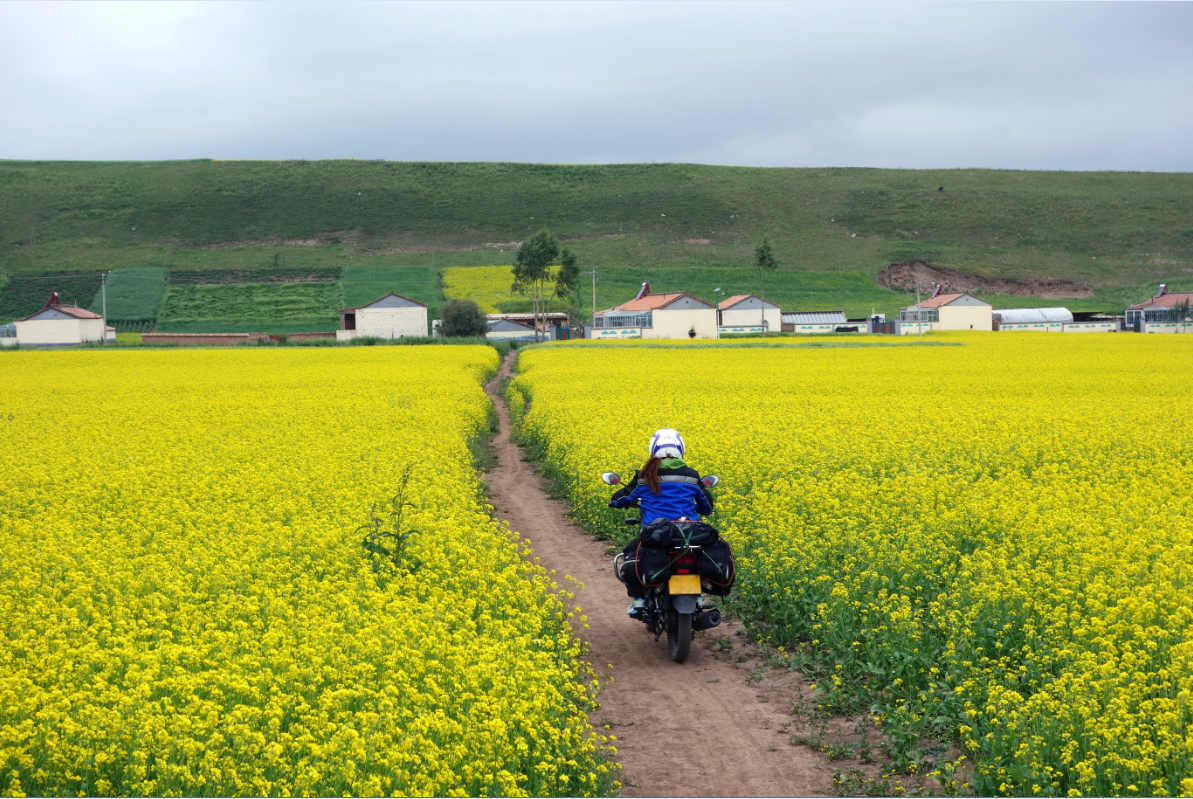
(676, 607)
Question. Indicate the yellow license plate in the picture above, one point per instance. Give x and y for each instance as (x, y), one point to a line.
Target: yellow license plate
(684, 584)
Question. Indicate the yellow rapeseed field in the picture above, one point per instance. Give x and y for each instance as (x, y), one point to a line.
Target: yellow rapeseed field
(186, 607)
(484, 285)
(989, 544)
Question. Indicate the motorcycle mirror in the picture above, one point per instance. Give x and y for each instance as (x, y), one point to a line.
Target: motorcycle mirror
(710, 480)
(632, 521)
(611, 478)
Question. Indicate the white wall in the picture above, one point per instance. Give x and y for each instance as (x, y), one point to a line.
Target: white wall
(677, 323)
(914, 328)
(966, 317)
(59, 331)
(391, 322)
(752, 317)
(616, 333)
(1041, 327)
(1092, 327)
(816, 328)
(1167, 327)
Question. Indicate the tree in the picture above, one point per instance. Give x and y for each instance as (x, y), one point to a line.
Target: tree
(568, 278)
(532, 270)
(764, 259)
(462, 318)
(1181, 313)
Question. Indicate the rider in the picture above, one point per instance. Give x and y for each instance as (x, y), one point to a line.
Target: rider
(666, 488)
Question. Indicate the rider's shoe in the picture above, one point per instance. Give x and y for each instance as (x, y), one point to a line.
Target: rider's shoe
(636, 608)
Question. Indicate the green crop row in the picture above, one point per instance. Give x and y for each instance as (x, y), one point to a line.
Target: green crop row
(296, 274)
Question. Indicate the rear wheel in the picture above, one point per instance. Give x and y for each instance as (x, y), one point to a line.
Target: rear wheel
(679, 635)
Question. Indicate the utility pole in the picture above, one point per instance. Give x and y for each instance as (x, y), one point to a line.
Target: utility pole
(717, 296)
(103, 282)
(593, 325)
(762, 285)
(919, 311)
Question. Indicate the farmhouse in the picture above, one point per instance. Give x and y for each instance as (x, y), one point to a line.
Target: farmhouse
(1163, 313)
(673, 314)
(61, 324)
(946, 312)
(748, 313)
(391, 316)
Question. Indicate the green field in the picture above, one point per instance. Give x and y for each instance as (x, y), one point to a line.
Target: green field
(21, 295)
(363, 284)
(134, 295)
(264, 307)
(832, 229)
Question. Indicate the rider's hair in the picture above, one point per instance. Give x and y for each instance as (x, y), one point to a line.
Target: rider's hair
(650, 474)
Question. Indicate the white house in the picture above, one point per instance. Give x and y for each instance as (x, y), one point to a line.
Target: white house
(391, 316)
(1162, 313)
(745, 313)
(947, 312)
(673, 314)
(60, 324)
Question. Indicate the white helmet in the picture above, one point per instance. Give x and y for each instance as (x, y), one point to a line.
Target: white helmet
(666, 443)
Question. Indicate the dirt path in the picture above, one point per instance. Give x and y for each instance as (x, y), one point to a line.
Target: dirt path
(720, 720)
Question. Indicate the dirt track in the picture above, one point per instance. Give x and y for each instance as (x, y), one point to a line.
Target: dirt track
(720, 735)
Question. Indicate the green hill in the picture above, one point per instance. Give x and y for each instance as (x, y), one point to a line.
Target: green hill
(1117, 233)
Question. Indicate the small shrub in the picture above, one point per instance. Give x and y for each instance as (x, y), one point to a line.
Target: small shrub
(462, 318)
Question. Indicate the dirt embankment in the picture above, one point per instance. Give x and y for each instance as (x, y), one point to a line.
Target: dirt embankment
(903, 275)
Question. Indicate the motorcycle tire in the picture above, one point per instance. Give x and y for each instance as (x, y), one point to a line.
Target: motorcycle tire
(679, 635)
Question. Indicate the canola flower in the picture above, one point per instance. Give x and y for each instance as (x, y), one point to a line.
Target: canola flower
(185, 608)
(485, 285)
(989, 543)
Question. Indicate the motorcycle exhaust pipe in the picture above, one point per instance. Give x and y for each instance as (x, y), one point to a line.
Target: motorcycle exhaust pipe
(706, 620)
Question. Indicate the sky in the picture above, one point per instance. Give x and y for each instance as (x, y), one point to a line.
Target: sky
(1008, 85)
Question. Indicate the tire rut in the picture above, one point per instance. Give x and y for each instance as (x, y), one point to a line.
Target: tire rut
(693, 729)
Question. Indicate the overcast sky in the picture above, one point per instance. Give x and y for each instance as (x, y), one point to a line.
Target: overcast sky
(1009, 85)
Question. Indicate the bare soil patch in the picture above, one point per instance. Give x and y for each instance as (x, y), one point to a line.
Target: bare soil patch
(721, 724)
(902, 275)
(320, 240)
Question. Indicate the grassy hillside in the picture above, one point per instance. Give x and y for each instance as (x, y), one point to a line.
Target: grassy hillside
(1114, 231)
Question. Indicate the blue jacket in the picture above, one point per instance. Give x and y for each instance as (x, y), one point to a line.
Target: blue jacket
(680, 494)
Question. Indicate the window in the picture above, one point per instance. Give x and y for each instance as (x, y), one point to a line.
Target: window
(919, 315)
(630, 319)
